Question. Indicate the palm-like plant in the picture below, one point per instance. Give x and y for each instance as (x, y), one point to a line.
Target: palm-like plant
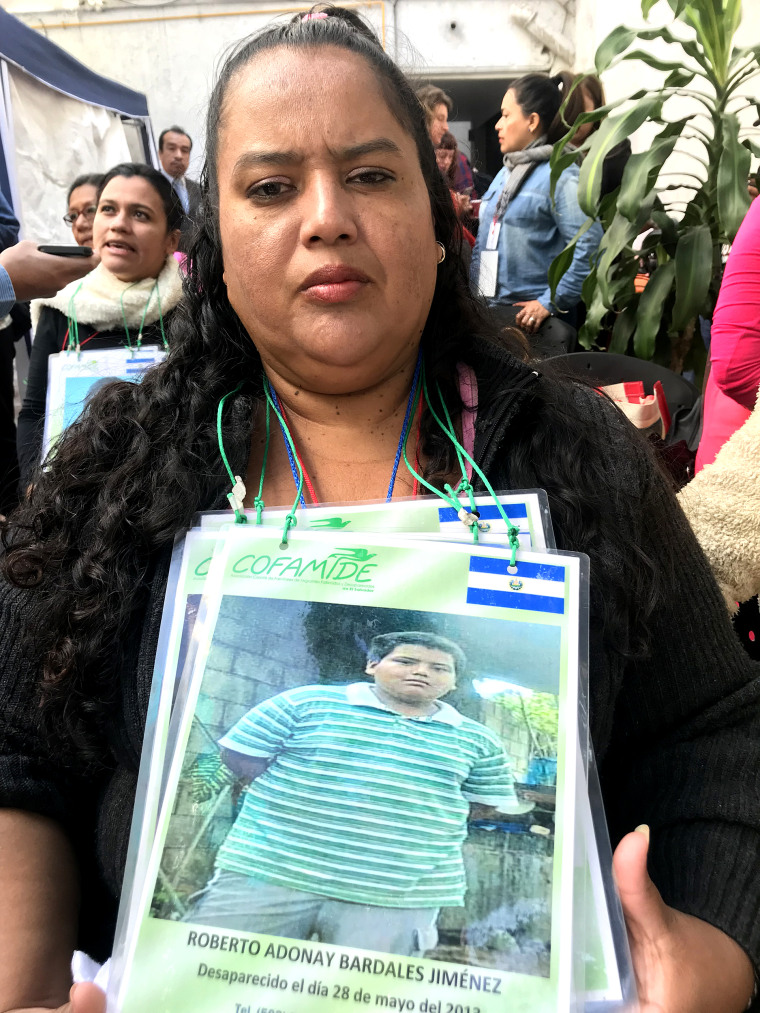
(701, 64)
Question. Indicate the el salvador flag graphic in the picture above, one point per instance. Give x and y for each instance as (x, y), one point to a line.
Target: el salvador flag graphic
(516, 512)
(536, 587)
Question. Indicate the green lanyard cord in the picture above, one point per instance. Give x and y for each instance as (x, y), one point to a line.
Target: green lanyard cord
(142, 318)
(450, 500)
(161, 318)
(290, 519)
(73, 322)
(259, 500)
(512, 532)
(449, 495)
(124, 315)
(237, 485)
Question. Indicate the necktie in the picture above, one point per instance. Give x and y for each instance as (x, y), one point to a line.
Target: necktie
(181, 191)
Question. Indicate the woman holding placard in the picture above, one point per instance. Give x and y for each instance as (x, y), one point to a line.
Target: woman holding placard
(329, 263)
(124, 302)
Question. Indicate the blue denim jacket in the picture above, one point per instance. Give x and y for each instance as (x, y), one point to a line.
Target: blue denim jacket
(533, 232)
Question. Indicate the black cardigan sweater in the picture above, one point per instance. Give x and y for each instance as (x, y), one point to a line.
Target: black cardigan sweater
(677, 735)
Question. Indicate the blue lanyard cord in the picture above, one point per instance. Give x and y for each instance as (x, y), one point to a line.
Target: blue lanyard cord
(410, 404)
(512, 532)
(290, 446)
(290, 519)
(297, 472)
(240, 517)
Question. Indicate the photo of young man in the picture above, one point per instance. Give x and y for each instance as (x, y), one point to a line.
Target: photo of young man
(359, 796)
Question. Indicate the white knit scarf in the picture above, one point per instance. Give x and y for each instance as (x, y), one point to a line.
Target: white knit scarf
(99, 300)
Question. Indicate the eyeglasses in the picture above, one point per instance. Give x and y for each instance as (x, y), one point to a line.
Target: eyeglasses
(72, 216)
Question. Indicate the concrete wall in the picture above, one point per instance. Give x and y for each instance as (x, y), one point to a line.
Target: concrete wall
(473, 47)
(171, 52)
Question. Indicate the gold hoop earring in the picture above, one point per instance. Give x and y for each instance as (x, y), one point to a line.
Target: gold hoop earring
(443, 252)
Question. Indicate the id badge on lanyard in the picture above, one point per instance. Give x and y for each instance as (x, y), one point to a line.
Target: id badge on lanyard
(488, 269)
(489, 262)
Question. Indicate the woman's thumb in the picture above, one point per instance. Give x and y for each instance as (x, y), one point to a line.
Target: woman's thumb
(643, 907)
(87, 998)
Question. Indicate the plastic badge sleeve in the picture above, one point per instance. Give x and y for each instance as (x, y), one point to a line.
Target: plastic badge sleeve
(436, 579)
(423, 517)
(527, 509)
(188, 568)
(598, 922)
(73, 376)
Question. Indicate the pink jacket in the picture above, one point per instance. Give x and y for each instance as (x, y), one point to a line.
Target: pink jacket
(735, 345)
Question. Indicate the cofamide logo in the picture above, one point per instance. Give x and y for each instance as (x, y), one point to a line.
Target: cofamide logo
(350, 566)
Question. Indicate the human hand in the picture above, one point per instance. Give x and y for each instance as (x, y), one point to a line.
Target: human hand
(681, 963)
(36, 275)
(83, 998)
(531, 316)
(464, 203)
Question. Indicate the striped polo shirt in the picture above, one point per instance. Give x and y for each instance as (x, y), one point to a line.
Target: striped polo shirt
(360, 803)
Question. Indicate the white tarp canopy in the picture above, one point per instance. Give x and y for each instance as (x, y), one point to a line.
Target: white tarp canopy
(57, 120)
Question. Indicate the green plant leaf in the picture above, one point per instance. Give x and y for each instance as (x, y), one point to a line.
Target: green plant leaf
(649, 314)
(623, 329)
(751, 145)
(617, 237)
(643, 169)
(564, 258)
(596, 311)
(694, 264)
(616, 43)
(621, 287)
(668, 229)
(561, 158)
(651, 60)
(560, 264)
(679, 78)
(612, 131)
(731, 183)
(732, 16)
(706, 17)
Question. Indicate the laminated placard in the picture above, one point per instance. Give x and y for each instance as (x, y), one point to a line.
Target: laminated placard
(602, 952)
(425, 516)
(74, 375)
(343, 824)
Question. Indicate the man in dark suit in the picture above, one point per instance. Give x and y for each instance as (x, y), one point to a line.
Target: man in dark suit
(174, 147)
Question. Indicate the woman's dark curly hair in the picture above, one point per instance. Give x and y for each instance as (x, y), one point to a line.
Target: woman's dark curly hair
(143, 458)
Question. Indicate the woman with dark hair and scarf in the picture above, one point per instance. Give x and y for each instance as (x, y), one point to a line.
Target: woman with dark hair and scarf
(327, 260)
(523, 226)
(128, 298)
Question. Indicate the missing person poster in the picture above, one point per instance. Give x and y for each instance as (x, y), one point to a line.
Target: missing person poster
(73, 376)
(425, 516)
(347, 821)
